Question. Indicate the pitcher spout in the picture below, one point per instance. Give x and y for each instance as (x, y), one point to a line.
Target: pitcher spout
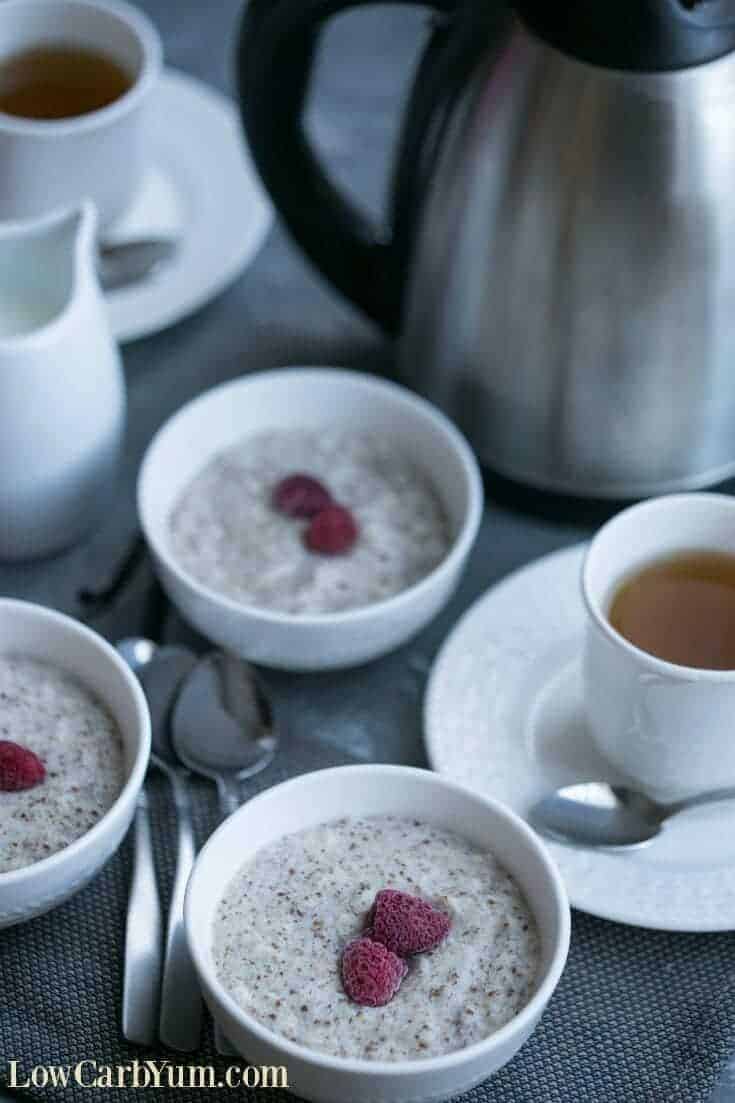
(45, 265)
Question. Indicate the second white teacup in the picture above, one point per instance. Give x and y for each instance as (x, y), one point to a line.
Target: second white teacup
(668, 728)
(48, 164)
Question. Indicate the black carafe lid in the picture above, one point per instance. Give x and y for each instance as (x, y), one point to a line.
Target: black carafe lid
(643, 35)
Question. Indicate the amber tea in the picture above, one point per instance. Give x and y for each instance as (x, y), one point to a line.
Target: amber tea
(681, 609)
(59, 82)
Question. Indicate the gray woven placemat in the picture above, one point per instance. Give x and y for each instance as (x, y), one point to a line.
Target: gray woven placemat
(639, 1017)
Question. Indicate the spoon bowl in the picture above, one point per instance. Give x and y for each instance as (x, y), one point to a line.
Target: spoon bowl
(611, 817)
(161, 680)
(222, 724)
(136, 651)
(122, 263)
(161, 671)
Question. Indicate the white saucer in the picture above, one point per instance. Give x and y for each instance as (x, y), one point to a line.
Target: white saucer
(503, 714)
(200, 184)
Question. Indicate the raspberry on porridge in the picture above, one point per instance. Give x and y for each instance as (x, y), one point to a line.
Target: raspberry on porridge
(307, 522)
(65, 730)
(294, 946)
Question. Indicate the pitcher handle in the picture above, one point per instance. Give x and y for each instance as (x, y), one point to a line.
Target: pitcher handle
(275, 59)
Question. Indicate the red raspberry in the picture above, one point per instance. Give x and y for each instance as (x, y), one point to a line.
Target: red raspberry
(371, 974)
(19, 768)
(332, 532)
(407, 924)
(300, 496)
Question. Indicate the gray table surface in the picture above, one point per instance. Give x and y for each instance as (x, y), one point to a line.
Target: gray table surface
(281, 312)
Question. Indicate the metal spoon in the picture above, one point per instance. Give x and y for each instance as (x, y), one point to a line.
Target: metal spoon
(222, 726)
(223, 729)
(121, 263)
(596, 814)
(161, 671)
(143, 937)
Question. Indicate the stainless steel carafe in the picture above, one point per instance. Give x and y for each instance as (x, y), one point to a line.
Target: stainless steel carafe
(560, 261)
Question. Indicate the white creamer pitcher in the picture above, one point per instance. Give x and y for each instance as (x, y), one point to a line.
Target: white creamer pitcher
(62, 396)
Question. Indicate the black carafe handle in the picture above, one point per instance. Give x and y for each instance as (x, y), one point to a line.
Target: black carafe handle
(277, 45)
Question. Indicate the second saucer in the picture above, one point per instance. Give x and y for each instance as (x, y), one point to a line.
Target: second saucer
(504, 715)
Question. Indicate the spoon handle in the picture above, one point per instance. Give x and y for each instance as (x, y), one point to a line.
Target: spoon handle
(228, 792)
(695, 802)
(181, 1001)
(142, 969)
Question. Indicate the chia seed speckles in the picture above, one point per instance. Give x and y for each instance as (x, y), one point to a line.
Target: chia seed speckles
(78, 742)
(226, 534)
(283, 967)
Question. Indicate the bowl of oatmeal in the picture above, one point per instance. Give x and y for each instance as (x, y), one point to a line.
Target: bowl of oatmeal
(309, 518)
(74, 746)
(381, 932)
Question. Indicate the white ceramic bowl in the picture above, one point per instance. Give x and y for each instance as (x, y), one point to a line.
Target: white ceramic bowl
(47, 636)
(365, 791)
(308, 398)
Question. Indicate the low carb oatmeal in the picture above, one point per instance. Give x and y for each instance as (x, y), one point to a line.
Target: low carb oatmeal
(389, 524)
(61, 761)
(289, 920)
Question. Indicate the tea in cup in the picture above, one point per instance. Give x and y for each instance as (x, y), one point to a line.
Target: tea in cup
(659, 666)
(75, 77)
(681, 608)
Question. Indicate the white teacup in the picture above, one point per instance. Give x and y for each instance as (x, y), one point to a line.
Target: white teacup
(52, 163)
(668, 728)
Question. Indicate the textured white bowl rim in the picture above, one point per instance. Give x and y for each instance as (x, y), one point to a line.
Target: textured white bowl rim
(426, 1064)
(646, 512)
(140, 765)
(462, 542)
(136, 21)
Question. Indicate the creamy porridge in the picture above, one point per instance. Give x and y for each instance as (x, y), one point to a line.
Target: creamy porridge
(287, 917)
(225, 532)
(50, 714)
